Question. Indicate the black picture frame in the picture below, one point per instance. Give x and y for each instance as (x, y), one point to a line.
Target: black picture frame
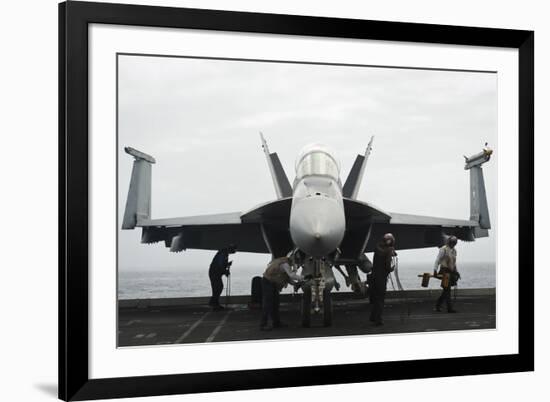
(74, 381)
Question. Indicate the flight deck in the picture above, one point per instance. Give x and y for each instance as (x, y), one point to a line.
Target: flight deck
(189, 320)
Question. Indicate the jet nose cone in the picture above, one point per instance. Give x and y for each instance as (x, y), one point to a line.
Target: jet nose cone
(317, 225)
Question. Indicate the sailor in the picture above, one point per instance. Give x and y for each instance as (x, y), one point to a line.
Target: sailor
(446, 261)
(218, 268)
(276, 277)
(382, 266)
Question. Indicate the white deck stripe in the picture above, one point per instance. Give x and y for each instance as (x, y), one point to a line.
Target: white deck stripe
(218, 328)
(191, 328)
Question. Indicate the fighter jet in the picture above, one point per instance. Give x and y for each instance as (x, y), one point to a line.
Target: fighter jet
(317, 219)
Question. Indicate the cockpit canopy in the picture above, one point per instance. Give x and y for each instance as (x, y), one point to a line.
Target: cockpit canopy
(317, 159)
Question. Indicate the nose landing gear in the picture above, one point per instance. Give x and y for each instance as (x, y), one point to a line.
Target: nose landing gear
(317, 296)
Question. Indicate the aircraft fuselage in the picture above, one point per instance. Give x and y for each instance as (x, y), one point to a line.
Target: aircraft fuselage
(317, 219)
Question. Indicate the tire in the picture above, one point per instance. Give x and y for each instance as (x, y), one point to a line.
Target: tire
(306, 308)
(327, 308)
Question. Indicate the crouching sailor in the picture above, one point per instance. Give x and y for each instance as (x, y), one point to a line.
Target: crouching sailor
(276, 277)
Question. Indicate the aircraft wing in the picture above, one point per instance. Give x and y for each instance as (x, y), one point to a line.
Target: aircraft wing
(415, 231)
(248, 231)
(406, 219)
(366, 225)
(206, 232)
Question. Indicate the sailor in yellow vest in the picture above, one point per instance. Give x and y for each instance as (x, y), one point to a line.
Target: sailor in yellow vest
(446, 261)
(276, 277)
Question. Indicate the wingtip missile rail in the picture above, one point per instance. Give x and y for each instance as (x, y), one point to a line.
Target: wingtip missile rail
(139, 155)
(479, 158)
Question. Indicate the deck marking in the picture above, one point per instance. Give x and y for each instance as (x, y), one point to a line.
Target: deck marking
(218, 328)
(191, 328)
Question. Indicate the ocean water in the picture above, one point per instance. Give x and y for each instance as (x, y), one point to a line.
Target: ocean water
(164, 282)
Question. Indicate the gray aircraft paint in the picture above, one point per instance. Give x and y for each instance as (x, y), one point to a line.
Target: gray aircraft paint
(280, 181)
(138, 202)
(315, 219)
(355, 176)
(479, 210)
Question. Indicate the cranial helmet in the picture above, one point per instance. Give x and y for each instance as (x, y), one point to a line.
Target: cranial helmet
(451, 241)
(389, 236)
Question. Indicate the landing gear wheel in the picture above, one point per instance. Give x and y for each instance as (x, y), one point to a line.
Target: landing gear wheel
(306, 308)
(327, 308)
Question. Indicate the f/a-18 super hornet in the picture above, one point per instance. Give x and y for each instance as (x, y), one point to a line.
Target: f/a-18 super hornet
(317, 219)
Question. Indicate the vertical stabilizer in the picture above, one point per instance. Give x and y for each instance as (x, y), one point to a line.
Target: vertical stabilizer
(479, 210)
(355, 176)
(138, 203)
(280, 180)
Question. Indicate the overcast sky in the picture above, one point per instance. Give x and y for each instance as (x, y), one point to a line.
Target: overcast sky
(200, 119)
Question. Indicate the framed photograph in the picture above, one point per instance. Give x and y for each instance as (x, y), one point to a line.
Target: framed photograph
(258, 200)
